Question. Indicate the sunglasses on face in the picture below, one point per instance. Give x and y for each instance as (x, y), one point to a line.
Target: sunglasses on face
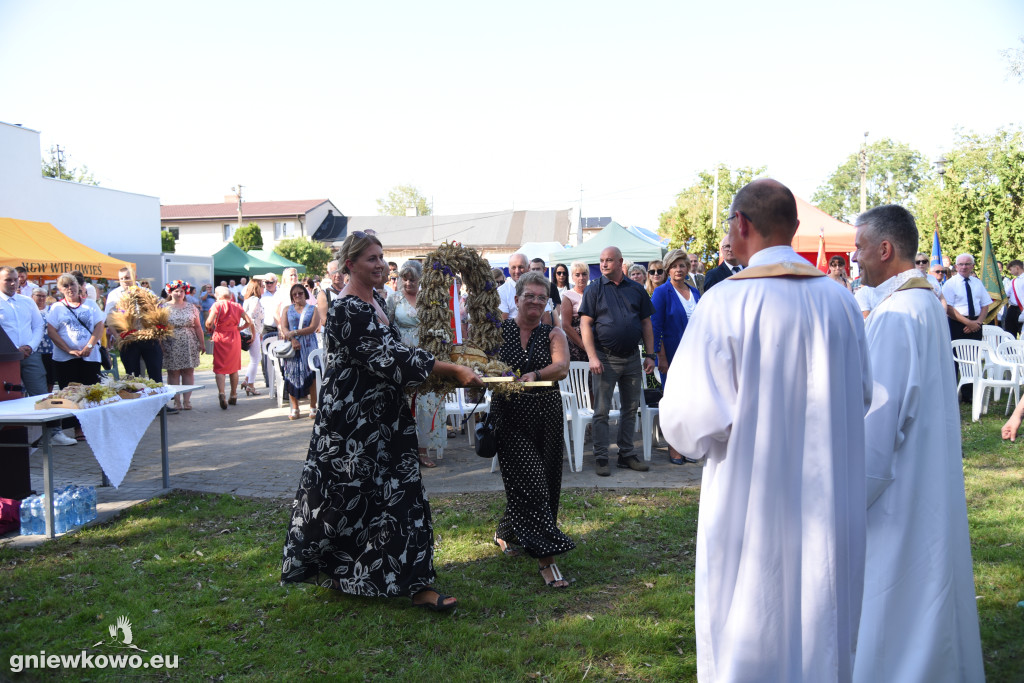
(921, 263)
(656, 271)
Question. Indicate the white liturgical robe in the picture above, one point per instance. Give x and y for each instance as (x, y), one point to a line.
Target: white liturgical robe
(919, 621)
(781, 368)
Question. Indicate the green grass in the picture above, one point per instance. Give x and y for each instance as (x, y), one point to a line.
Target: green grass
(198, 577)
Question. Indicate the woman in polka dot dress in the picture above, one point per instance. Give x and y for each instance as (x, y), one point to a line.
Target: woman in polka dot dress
(529, 424)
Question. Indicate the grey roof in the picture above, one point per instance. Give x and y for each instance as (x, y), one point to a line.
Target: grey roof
(494, 229)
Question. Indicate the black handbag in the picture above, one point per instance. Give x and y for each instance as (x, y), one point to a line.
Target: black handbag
(486, 438)
(246, 339)
(105, 360)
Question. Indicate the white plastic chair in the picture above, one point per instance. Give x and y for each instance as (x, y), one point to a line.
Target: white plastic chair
(969, 356)
(315, 361)
(580, 406)
(567, 400)
(274, 375)
(648, 415)
(993, 336)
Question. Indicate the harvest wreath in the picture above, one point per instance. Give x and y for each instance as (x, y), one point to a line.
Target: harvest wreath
(138, 318)
(483, 343)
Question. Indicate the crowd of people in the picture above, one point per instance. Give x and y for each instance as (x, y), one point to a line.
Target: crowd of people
(832, 541)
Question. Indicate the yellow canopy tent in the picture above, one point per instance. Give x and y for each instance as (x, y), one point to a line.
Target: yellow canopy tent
(46, 252)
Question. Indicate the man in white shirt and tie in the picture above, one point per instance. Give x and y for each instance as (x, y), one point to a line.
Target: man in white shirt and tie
(729, 266)
(21, 320)
(1014, 289)
(968, 303)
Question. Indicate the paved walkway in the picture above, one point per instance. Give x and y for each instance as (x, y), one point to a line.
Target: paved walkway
(253, 449)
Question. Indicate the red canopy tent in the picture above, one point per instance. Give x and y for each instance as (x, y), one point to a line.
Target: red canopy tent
(839, 236)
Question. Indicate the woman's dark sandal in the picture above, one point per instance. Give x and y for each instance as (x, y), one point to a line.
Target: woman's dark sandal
(438, 604)
(556, 576)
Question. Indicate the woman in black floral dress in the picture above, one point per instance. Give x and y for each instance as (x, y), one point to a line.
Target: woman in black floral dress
(361, 521)
(530, 445)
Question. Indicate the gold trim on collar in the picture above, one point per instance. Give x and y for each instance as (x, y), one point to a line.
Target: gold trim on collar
(915, 283)
(787, 269)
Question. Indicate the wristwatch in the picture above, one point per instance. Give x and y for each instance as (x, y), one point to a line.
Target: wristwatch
(652, 356)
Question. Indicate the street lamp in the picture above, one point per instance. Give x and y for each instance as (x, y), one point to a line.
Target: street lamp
(940, 166)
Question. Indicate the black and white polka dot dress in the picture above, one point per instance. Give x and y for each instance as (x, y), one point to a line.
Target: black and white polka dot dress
(530, 451)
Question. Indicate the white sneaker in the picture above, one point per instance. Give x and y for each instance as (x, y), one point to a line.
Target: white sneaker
(61, 439)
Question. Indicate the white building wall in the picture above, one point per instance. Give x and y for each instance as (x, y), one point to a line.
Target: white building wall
(104, 219)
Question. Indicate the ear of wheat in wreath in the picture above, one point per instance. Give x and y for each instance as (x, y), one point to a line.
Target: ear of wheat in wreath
(138, 318)
(481, 348)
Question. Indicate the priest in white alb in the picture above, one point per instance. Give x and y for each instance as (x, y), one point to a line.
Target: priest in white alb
(919, 621)
(778, 360)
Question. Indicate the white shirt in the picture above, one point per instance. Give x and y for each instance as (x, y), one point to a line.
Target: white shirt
(781, 368)
(956, 294)
(507, 292)
(115, 296)
(919, 620)
(21, 320)
(865, 297)
(269, 311)
(1015, 290)
(74, 326)
(27, 289)
(688, 304)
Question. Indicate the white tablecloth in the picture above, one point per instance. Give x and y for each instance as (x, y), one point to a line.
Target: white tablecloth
(113, 431)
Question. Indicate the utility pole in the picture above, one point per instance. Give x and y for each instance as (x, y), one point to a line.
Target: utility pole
(238, 194)
(714, 212)
(579, 227)
(864, 174)
(59, 157)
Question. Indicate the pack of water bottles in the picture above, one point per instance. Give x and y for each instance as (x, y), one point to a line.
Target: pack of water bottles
(72, 506)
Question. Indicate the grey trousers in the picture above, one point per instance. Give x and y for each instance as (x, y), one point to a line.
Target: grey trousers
(628, 374)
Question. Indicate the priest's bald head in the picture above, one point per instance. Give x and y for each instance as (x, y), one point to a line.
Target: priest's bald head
(763, 214)
(886, 243)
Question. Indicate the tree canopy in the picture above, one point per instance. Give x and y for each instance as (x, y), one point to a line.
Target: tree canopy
(308, 252)
(690, 224)
(248, 237)
(167, 241)
(895, 174)
(983, 174)
(400, 198)
(60, 167)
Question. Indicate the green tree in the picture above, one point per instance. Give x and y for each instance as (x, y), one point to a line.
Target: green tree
(167, 241)
(400, 198)
(309, 253)
(895, 173)
(690, 224)
(248, 238)
(59, 166)
(1015, 61)
(983, 174)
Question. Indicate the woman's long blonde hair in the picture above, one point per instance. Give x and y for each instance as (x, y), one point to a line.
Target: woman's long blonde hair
(650, 281)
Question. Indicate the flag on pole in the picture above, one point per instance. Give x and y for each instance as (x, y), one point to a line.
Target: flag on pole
(936, 249)
(989, 276)
(822, 263)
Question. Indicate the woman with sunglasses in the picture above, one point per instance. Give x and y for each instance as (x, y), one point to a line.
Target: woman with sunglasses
(299, 324)
(183, 348)
(837, 271)
(361, 522)
(75, 330)
(571, 300)
(655, 276)
(562, 281)
(253, 305)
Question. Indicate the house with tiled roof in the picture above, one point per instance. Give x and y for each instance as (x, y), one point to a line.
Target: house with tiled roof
(206, 228)
(495, 234)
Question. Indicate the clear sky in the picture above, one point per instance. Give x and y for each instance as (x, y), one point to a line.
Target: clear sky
(488, 106)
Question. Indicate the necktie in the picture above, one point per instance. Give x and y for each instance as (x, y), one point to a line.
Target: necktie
(735, 269)
(970, 299)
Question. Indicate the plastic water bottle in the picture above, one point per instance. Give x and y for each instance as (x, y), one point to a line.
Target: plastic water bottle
(39, 514)
(59, 524)
(26, 516)
(92, 502)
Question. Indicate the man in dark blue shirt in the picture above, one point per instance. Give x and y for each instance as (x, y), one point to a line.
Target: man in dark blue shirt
(615, 315)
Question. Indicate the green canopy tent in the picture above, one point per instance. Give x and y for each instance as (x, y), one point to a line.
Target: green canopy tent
(231, 261)
(274, 257)
(634, 248)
